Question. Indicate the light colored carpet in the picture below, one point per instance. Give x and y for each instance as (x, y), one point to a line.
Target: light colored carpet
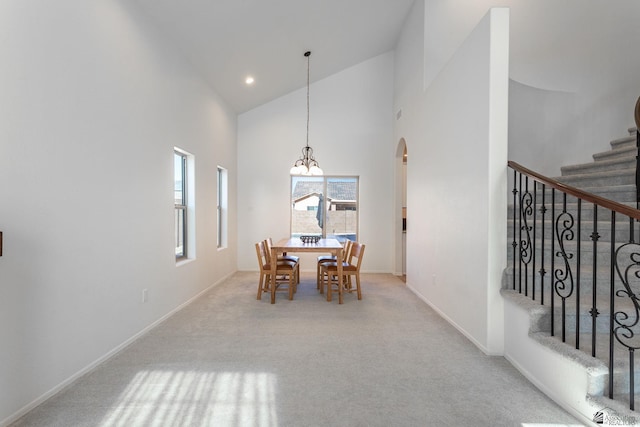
(231, 360)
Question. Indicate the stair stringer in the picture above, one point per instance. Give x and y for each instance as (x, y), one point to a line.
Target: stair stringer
(572, 378)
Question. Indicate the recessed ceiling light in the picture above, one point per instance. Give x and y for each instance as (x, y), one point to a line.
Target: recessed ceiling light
(249, 80)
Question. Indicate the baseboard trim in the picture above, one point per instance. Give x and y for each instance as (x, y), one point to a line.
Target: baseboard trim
(93, 365)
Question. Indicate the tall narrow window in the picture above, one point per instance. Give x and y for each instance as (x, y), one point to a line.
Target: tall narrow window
(222, 207)
(185, 209)
(180, 192)
(325, 206)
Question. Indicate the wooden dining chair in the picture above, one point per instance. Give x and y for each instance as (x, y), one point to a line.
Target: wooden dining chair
(329, 273)
(283, 257)
(285, 273)
(325, 259)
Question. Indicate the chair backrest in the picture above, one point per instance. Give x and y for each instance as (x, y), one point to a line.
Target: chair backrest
(267, 247)
(346, 254)
(261, 252)
(357, 252)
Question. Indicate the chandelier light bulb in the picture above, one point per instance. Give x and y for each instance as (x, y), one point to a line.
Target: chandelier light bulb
(315, 170)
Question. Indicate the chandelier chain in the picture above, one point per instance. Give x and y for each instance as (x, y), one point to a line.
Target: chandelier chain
(308, 83)
(307, 164)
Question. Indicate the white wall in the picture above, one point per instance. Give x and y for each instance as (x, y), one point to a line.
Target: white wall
(351, 119)
(541, 128)
(93, 101)
(408, 89)
(456, 135)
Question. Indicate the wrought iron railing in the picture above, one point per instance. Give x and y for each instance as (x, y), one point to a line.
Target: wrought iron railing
(579, 254)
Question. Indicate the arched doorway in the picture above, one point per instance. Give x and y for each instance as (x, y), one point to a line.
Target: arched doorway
(401, 208)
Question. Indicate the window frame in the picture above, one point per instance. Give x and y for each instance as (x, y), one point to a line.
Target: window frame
(325, 179)
(181, 209)
(222, 208)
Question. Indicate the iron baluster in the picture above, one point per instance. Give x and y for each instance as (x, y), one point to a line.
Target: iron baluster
(632, 387)
(533, 241)
(543, 210)
(578, 254)
(526, 211)
(594, 291)
(611, 301)
(520, 238)
(563, 278)
(553, 262)
(514, 244)
(631, 349)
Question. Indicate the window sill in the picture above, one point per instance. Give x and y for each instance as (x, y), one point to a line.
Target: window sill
(183, 261)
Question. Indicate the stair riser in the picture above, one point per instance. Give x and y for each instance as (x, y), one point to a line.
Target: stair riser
(622, 152)
(584, 181)
(626, 142)
(529, 282)
(602, 321)
(622, 233)
(586, 324)
(609, 165)
(532, 276)
(603, 255)
(586, 213)
(627, 197)
(621, 194)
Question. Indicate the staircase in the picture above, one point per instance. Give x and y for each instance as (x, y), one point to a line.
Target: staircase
(611, 175)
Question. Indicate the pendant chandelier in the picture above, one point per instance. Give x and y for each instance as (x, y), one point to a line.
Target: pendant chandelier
(307, 164)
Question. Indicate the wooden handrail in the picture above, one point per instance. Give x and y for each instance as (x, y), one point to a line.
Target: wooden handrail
(592, 198)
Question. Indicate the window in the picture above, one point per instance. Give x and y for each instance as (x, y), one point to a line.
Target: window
(325, 206)
(222, 207)
(180, 192)
(185, 209)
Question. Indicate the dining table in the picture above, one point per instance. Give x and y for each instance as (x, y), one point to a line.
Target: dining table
(295, 244)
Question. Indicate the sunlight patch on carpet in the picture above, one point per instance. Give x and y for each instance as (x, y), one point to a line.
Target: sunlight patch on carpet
(196, 398)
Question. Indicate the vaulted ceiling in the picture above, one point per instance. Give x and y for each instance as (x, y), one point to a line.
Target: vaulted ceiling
(554, 45)
(228, 40)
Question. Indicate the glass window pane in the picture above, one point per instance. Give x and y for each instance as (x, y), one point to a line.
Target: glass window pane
(307, 200)
(178, 178)
(342, 208)
(180, 228)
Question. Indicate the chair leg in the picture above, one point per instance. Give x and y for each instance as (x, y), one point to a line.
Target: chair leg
(325, 275)
(260, 286)
(292, 283)
(358, 286)
(321, 279)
